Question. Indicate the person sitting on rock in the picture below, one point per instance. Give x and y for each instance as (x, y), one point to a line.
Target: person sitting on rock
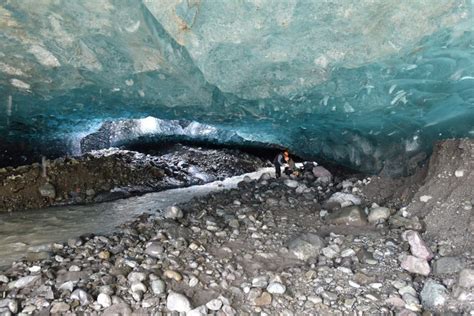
(291, 169)
(279, 161)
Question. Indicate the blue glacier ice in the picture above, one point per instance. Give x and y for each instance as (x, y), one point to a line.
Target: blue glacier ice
(369, 84)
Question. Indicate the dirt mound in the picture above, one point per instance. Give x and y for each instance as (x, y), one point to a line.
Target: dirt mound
(112, 174)
(446, 198)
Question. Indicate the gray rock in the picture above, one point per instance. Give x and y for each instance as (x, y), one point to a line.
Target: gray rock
(59, 307)
(344, 199)
(433, 295)
(173, 212)
(4, 279)
(47, 190)
(276, 288)
(466, 278)
(9, 303)
(122, 309)
(198, 311)
(291, 183)
(158, 286)
(447, 265)
(104, 300)
(134, 277)
(82, 296)
(154, 249)
(408, 223)
(416, 265)
(306, 246)
(418, 247)
(260, 281)
(322, 174)
(350, 215)
(378, 214)
(71, 276)
(214, 305)
(331, 251)
(178, 302)
(23, 282)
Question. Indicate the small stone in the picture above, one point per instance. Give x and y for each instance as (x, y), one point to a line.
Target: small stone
(291, 183)
(74, 268)
(276, 288)
(447, 265)
(121, 308)
(81, 296)
(170, 274)
(158, 286)
(315, 299)
(173, 212)
(344, 199)
(23, 282)
(104, 255)
(138, 287)
(264, 299)
(134, 277)
(306, 246)
(4, 279)
(466, 278)
(331, 251)
(9, 303)
(322, 174)
(459, 173)
(260, 281)
(154, 249)
(418, 247)
(433, 295)
(59, 307)
(416, 265)
(198, 311)
(353, 284)
(347, 253)
(104, 300)
(378, 214)
(350, 215)
(425, 198)
(178, 302)
(214, 305)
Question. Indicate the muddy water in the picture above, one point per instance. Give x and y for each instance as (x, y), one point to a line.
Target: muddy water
(34, 230)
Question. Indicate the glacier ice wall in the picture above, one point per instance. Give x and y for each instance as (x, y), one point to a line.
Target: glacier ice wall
(370, 84)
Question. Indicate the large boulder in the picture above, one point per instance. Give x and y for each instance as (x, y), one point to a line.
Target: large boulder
(322, 174)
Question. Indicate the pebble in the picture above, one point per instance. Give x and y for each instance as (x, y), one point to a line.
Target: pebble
(104, 300)
(134, 277)
(447, 265)
(433, 295)
(214, 305)
(23, 282)
(81, 296)
(276, 288)
(349, 215)
(154, 249)
(173, 212)
(416, 265)
(178, 302)
(58, 308)
(170, 274)
(466, 278)
(158, 286)
(291, 183)
(104, 255)
(331, 251)
(425, 198)
(306, 246)
(418, 247)
(264, 299)
(378, 214)
(198, 311)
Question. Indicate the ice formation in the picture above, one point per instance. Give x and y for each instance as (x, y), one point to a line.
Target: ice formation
(366, 83)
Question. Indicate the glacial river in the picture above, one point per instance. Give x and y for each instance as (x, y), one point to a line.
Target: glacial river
(34, 230)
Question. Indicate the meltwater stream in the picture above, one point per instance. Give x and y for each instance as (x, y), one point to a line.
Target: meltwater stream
(34, 230)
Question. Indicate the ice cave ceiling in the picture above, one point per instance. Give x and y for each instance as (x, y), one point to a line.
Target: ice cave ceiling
(370, 84)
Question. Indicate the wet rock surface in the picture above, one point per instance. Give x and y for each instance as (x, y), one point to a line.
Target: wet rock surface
(111, 174)
(264, 247)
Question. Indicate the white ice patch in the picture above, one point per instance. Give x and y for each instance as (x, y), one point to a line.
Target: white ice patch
(129, 82)
(148, 125)
(412, 145)
(20, 84)
(9, 105)
(348, 108)
(44, 57)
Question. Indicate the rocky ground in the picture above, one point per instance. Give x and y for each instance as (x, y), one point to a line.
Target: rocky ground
(110, 174)
(293, 246)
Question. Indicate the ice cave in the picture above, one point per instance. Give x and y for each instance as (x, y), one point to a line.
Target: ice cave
(237, 157)
(368, 84)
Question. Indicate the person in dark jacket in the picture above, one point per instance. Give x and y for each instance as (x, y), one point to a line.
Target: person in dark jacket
(279, 161)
